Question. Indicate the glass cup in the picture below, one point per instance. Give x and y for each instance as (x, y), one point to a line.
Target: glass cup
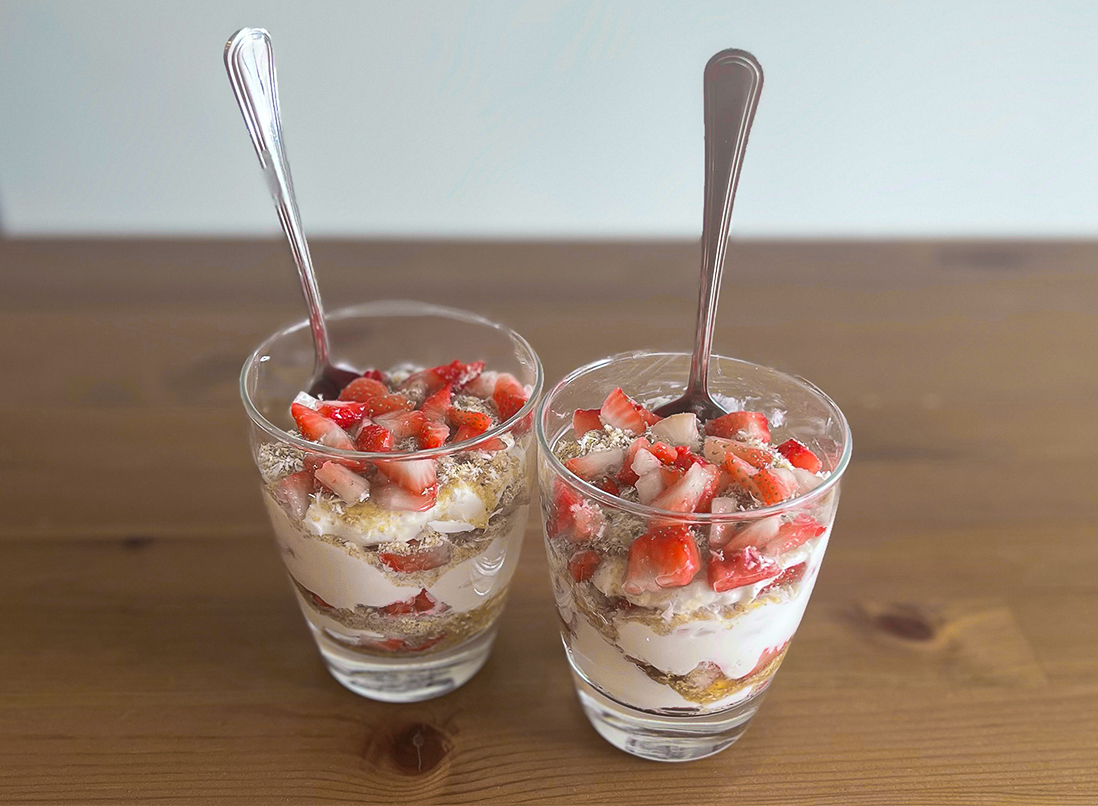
(676, 674)
(402, 604)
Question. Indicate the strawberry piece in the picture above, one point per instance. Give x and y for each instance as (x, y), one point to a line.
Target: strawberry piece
(684, 458)
(418, 559)
(765, 659)
(664, 452)
(793, 534)
(627, 475)
(417, 476)
(652, 484)
(395, 498)
(320, 602)
(422, 602)
(344, 482)
(734, 569)
(377, 375)
(292, 492)
(716, 448)
(315, 426)
(790, 575)
(740, 473)
(344, 414)
(800, 456)
(644, 462)
(744, 424)
(482, 385)
(509, 395)
(687, 493)
(721, 533)
(438, 405)
(584, 420)
(402, 424)
(362, 389)
(596, 464)
(374, 439)
(756, 534)
(474, 422)
(583, 565)
(678, 430)
(775, 485)
(384, 404)
(621, 411)
(572, 516)
(663, 557)
(458, 374)
(433, 434)
(466, 432)
(608, 485)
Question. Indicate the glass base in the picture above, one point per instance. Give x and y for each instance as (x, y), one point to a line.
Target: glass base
(404, 678)
(664, 738)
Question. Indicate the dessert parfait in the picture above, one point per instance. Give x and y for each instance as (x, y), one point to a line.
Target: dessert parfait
(399, 508)
(683, 552)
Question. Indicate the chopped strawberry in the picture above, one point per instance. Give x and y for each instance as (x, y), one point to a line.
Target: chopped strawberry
(362, 389)
(383, 404)
(483, 385)
(621, 411)
(765, 659)
(653, 483)
(417, 476)
(678, 430)
(793, 534)
(800, 456)
(721, 533)
(790, 575)
(734, 569)
(596, 464)
(645, 462)
(292, 492)
(688, 492)
(395, 498)
(572, 515)
(583, 565)
(318, 428)
(418, 559)
(345, 414)
(438, 405)
(684, 457)
(377, 375)
(664, 452)
(584, 420)
(741, 476)
(719, 447)
(627, 475)
(457, 373)
(320, 602)
(756, 533)
(663, 557)
(775, 485)
(402, 424)
(433, 434)
(806, 482)
(474, 422)
(344, 482)
(422, 602)
(608, 485)
(509, 395)
(743, 424)
(374, 439)
(466, 432)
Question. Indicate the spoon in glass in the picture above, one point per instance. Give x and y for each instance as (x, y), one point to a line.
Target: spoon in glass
(733, 81)
(249, 60)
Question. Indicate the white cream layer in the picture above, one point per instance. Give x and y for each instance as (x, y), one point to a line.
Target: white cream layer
(344, 580)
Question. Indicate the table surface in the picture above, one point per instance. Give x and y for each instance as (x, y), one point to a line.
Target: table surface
(150, 649)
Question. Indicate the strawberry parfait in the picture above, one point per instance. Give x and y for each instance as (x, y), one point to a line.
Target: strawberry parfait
(399, 508)
(683, 552)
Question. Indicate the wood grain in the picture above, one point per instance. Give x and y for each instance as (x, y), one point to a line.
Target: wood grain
(151, 650)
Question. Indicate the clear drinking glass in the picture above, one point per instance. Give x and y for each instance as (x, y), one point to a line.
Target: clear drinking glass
(677, 674)
(403, 605)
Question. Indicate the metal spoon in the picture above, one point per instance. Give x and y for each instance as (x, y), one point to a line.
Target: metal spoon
(733, 81)
(249, 60)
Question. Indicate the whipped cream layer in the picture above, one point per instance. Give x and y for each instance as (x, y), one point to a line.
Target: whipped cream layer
(343, 578)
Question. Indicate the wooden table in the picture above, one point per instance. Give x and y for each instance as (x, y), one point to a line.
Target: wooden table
(150, 649)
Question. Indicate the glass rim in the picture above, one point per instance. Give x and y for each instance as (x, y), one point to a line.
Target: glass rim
(649, 512)
(383, 308)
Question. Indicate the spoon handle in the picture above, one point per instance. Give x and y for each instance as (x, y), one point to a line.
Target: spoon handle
(733, 81)
(249, 60)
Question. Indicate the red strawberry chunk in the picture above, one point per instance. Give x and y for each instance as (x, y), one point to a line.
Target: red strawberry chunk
(621, 411)
(417, 558)
(572, 516)
(790, 575)
(344, 482)
(422, 602)
(417, 476)
(793, 534)
(292, 492)
(437, 405)
(721, 533)
(345, 414)
(687, 493)
(483, 385)
(509, 395)
(756, 534)
(475, 422)
(800, 456)
(608, 485)
(743, 424)
(720, 447)
(402, 424)
(652, 484)
(457, 373)
(377, 375)
(596, 464)
(584, 420)
(739, 471)
(765, 659)
(433, 434)
(395, 498)
(320, 602)
(663, 557)
(734, 569)
(315, 426)
(383, 404)
(583, 564)
(664, 452)
(362, 389)
(374, 439)
(466, 433)
(775, 485)
(627, 475)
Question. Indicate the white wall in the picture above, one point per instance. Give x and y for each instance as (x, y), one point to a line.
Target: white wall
(452, 117)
